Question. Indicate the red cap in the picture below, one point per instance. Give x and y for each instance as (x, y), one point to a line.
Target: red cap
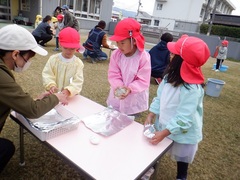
(128, 28)
(70, 38)
(194, 53)
(225, 42)
(60, 17)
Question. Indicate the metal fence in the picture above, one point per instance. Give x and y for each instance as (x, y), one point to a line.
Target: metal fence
(153, 34)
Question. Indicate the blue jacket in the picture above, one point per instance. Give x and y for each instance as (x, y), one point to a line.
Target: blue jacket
(160, 56)
(94, 40)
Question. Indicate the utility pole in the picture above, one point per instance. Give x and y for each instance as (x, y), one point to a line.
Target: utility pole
(213, 17)
(206, 11)
(139, 4)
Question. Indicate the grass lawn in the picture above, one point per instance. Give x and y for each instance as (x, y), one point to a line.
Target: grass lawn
(218, 156)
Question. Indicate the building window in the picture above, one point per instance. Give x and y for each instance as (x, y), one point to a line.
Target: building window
(5, 10)
(97, 7)
(159, 6)
(85, 8)
(156, 22)
(94, 7)
(25, 5)
(85, 5)
(202, 13)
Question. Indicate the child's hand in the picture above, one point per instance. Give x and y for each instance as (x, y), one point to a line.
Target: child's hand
(149, 118)
(127, 92)
(62, 98)
(148, 121)
(66, 92)
(159, 136)
(53, 90)
(119, 91)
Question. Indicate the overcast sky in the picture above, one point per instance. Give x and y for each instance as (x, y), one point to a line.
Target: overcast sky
(147, 5)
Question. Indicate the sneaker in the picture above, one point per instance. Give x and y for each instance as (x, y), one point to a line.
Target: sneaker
(56, 49)
(148, 174)
(216, 70)
(158, 80)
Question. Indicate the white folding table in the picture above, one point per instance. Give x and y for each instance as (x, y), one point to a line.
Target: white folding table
(125, 155)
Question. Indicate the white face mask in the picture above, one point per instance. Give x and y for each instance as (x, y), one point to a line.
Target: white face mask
(24, 68)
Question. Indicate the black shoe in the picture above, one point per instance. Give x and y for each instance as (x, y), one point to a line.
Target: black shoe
(42, 45)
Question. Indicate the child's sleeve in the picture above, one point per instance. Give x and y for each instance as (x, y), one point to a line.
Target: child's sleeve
(142, 78)
(189, 110)
(49, 79)
(114, 71)
(76, 82)
(155, 105)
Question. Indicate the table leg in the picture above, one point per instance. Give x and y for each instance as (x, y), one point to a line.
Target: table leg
(156, 167)
(21, 138)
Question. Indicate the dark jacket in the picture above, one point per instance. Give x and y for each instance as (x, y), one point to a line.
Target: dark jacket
(160, 57)
(13, 97)
(42, 29)
(94, 41)
(70, 20)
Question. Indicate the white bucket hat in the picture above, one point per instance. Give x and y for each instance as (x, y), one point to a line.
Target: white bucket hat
(15, 37)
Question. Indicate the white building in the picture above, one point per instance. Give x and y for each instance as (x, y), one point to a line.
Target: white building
(87, 12)
(186, 15)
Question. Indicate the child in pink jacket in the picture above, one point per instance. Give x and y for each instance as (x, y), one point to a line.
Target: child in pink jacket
(129, 69)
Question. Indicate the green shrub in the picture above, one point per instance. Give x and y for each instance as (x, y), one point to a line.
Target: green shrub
(222, 31)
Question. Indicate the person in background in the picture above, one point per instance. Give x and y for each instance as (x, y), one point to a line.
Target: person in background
(160, 57)
(96, 38)
(222, 54)
(17, 47)
(178, 107)
(43, 32)
(38, 20)
(58, 26)
(69, 19)
(63, 72)
(129, 69)
(57, 11)
(53, 23)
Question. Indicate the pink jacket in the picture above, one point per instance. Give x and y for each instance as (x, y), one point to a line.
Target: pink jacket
(133, 72)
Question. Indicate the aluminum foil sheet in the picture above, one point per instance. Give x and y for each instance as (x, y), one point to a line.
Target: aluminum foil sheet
(57, 117)
(107, 122)
(149, 130)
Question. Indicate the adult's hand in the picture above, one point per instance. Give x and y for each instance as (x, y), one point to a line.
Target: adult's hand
(44, 94)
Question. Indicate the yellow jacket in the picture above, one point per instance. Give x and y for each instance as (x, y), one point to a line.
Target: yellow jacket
(63, 75)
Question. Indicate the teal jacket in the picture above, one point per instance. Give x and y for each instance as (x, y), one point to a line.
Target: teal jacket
(13, 97)
(186, 115)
